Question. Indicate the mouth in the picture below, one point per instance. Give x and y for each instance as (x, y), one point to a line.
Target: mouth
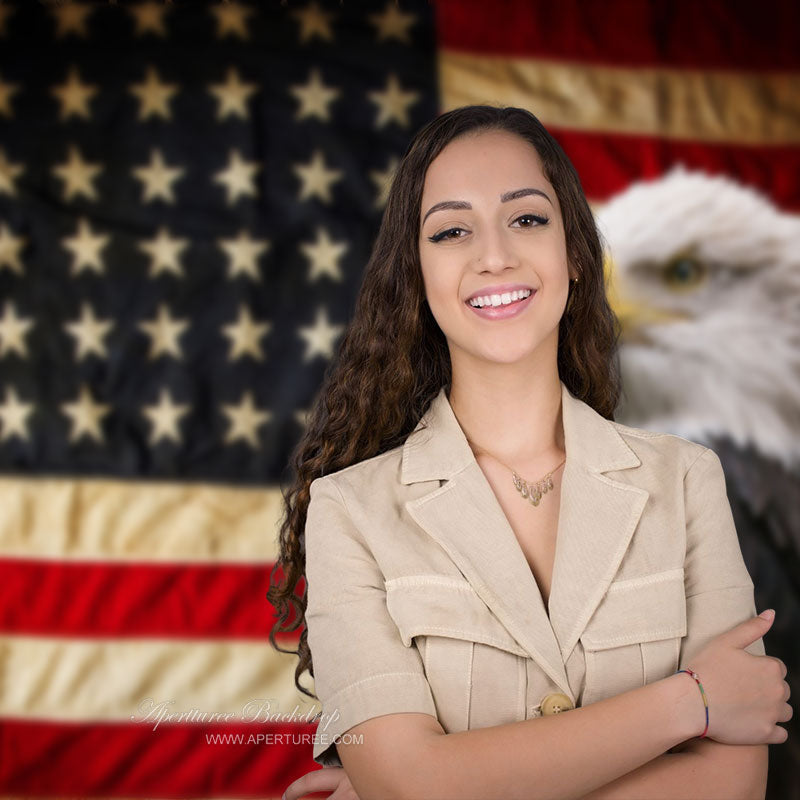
(501, 306)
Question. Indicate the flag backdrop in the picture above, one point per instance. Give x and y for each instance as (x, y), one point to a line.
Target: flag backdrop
(188, 195)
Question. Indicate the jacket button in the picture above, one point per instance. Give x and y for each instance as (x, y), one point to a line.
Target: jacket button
(556, 703)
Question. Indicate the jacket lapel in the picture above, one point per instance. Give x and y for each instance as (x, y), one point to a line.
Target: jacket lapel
(597, 518)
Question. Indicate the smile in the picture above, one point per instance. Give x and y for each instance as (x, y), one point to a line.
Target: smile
(501, 306)
(499, 299)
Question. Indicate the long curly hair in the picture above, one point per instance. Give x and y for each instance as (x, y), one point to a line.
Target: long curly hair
(393, 358)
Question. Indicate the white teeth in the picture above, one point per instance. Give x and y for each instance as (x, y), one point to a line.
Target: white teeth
(499, 299)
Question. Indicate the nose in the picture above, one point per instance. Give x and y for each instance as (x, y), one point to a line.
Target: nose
(495, 250)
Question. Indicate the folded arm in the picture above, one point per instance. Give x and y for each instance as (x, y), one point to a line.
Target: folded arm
(700, 769)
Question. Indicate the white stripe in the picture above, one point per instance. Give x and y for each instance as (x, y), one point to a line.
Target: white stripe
(112, 679)
(735, 106)
(68, 518)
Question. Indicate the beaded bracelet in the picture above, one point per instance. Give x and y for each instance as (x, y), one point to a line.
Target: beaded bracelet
(692, 674)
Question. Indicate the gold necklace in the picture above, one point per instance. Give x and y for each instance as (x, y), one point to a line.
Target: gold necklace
(530, 491)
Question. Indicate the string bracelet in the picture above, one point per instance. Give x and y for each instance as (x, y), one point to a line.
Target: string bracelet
(692, 674)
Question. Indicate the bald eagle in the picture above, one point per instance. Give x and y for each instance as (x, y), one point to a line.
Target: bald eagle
(704, 274)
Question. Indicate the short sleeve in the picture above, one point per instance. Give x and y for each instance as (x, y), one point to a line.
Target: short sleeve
(719, 589)
(362, 669)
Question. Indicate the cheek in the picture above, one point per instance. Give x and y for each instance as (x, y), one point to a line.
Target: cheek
(440, 287)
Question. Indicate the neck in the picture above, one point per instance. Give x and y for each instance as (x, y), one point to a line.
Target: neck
(515, 418)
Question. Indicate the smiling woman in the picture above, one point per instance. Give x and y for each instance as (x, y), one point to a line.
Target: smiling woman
(506, 635)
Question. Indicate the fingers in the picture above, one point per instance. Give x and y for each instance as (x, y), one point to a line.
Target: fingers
(779, 736)
(782, 666)
(344, 792)
(320, 780)
(745, 633)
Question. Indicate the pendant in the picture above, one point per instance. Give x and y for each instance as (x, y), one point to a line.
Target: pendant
(533, 492)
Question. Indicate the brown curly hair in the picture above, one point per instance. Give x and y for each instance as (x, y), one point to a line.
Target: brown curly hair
(393, 358)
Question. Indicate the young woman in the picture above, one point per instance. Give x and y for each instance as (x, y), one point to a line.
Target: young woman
(502, 582)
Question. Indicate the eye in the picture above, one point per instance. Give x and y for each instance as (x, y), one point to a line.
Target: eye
(450, 233)
(684, 272)
(531, 220)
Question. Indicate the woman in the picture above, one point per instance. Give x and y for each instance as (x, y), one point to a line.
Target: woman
(484, 547)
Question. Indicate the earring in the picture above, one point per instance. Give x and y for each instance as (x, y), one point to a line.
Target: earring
(573, 282)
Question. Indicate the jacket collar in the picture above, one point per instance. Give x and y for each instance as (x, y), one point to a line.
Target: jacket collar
(589, 439)
(597, 517)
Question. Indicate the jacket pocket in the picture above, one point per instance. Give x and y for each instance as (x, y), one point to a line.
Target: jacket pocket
(634, 636)
(475, 668)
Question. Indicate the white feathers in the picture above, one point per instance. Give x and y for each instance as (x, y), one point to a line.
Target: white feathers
(729, 363)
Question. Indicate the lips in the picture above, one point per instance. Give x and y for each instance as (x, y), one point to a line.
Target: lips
(510, 310)
(504, 288)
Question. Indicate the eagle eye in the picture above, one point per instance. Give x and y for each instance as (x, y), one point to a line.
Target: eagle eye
(684, 272)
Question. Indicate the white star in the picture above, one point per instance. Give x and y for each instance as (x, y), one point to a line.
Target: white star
(313, 22)
(71, 18)
(393, 23)
(149, 18)
(316, 178)
(85, 415)
(153, 95)
(157, 178)
(232, 95)
(164, 251)
(244, 335)
(74, 95)
(85, 247)
(89, 332)
(314, 97)
(5, 12)
(320, 336)
(238, 177)
(232, 19)
(164, 332)
(14, 415)
(164, 417)
(393, 103)
(7, 91)
(77, 175)
(10, 247)
(245, 419)
(243, 252)
(383, 181)
(324, 256)
(13, 330)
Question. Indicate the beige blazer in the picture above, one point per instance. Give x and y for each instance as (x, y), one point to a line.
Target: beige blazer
(421, 599)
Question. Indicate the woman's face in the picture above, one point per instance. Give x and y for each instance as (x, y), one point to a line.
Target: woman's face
(490, 225)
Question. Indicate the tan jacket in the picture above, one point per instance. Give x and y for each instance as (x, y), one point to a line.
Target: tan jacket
(421, 599)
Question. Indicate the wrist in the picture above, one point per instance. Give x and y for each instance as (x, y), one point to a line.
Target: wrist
(683, 696)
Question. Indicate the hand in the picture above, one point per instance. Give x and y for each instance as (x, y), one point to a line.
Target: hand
(329, 779)
(746, 694)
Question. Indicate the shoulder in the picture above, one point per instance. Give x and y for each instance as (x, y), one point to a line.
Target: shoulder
(663, 450)
(371, 474)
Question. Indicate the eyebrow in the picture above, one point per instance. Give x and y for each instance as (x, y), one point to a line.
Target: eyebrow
(461, 205)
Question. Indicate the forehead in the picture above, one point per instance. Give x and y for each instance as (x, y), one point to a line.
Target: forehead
(484, 161)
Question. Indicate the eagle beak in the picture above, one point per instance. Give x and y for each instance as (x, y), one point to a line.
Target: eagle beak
(635, 316)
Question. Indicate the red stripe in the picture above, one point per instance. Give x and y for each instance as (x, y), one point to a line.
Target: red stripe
(62, 759)
(679, 33)
(607, 163)
(38, 596)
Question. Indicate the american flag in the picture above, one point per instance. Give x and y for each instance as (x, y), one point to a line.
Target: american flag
(188, 194)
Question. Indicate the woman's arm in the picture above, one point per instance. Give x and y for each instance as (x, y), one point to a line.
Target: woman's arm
(568, 755)
(735, 771)
(702, 770)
